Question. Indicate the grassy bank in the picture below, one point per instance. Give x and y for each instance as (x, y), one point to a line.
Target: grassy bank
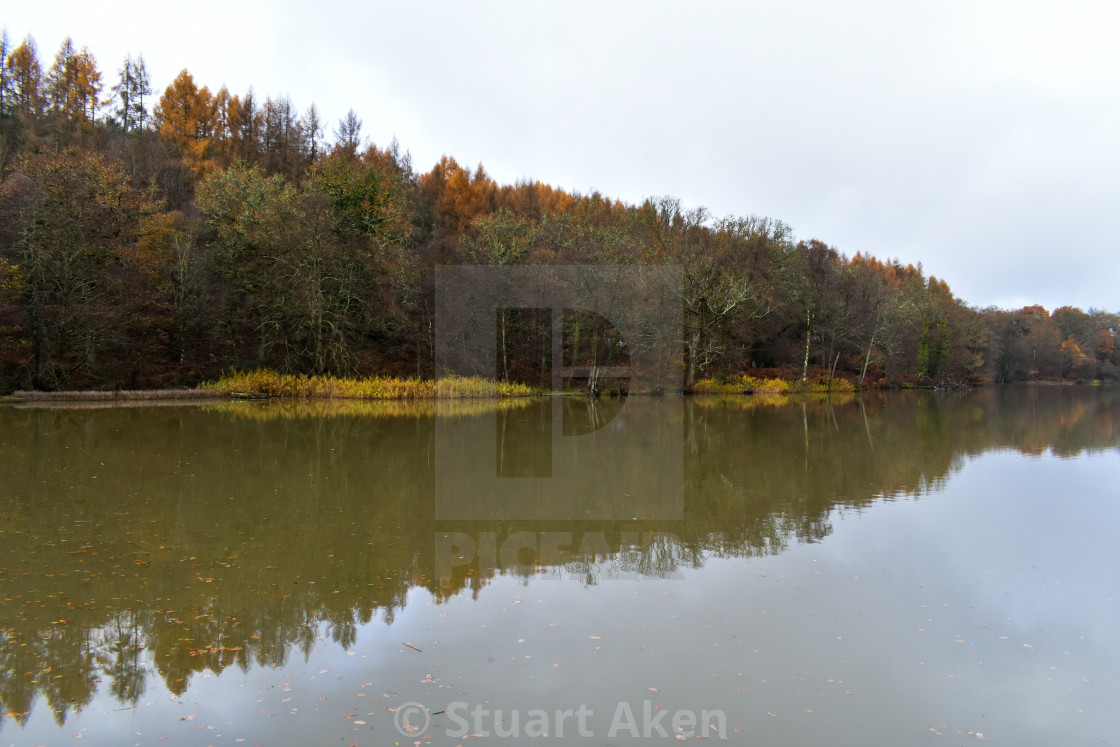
(276, 384)
(264, 383)
(303, 409)
(742, 384)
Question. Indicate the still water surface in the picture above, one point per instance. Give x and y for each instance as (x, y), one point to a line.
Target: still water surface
(911, 568)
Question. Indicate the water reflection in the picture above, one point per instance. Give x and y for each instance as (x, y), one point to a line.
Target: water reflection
(172, 541)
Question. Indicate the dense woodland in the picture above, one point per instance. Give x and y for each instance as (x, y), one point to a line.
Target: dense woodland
(158, 236)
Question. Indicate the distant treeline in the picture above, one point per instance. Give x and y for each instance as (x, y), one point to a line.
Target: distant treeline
(157, 240)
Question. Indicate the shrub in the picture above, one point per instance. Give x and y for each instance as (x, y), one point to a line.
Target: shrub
(276, 384)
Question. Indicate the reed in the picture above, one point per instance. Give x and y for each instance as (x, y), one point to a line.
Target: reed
(742, 384)
(301, 409)
(276, 384)
(764, 400)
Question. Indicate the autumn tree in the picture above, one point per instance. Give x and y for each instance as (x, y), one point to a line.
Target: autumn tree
(222, 128)
(712, 290)
(250, 220)
(73, 88)
(810, 283)
(1025, 345)
(466, 196)
(281, 139)
(73, 216)
(754, 250)
(24, 79)
(452, 196)
(181, 311)
(243, 119)
(366, 199)
(306, 271)
(60, 80)
(876, 291)
(498, 240)
(184, 118)
(1075, 364)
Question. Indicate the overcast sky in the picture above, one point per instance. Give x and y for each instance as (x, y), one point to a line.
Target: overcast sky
(981, 139)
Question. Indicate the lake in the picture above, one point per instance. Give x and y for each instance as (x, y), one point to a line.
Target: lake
(902, 568)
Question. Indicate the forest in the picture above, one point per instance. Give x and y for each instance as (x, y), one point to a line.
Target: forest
(160, 237)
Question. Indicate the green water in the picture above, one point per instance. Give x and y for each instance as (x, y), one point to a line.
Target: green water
(910, 568)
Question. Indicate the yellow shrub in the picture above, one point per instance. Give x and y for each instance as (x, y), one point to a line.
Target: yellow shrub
(372, 387)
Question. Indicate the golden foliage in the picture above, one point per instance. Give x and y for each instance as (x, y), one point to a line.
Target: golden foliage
(384, 408)
(743, 384)
(770, 399)
(373, 387)
(184, 118)
(11, 278)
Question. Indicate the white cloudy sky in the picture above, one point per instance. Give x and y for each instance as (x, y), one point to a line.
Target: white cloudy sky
(979, 138)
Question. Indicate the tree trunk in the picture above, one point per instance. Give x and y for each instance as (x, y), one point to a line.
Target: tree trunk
(832, 373)
(505, 362)
(35, 311)
(808, 337)
(866, 359)
(693, 352)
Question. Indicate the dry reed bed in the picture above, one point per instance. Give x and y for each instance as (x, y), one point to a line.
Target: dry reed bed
(372, 387)
(742, 384)
(298, 409)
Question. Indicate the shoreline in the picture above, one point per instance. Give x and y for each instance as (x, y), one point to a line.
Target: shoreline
(264, 385)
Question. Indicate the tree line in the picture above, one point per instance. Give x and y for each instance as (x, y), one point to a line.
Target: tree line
(154, 238)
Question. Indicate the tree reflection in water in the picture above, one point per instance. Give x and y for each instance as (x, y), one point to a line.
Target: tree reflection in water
(170, 541)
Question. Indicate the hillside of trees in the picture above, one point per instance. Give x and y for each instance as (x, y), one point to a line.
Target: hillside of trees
(158, 236)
